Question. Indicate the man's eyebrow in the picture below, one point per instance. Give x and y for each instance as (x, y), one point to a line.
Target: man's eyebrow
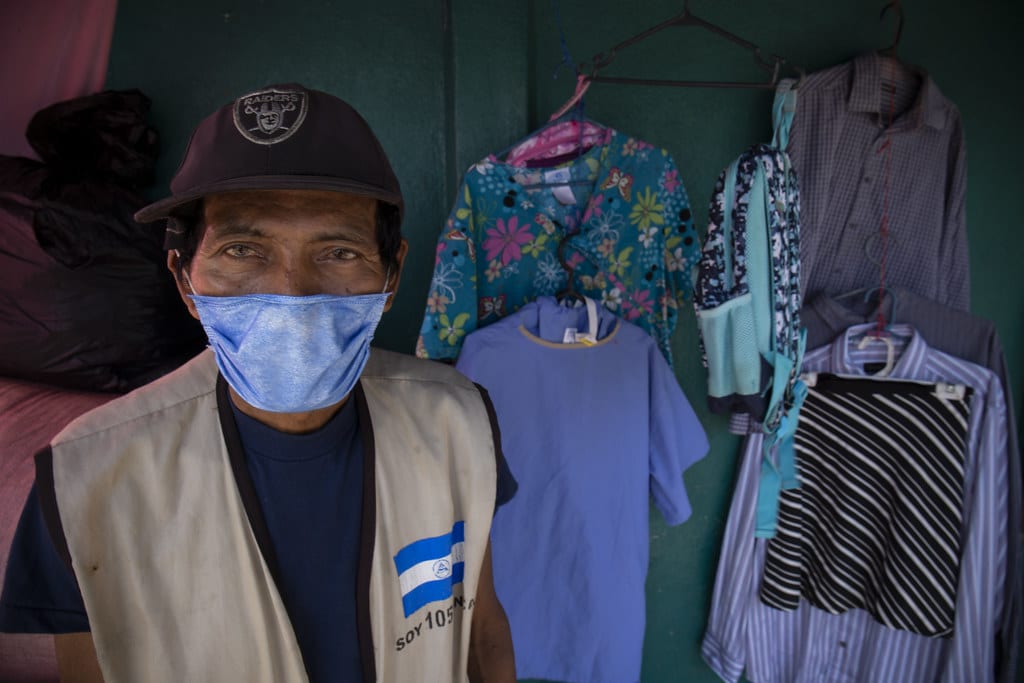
(224, 230)
(342, 232)
(343, 235)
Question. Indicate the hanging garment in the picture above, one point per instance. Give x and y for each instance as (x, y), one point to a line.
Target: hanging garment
(876, 521)
(590, 430)
(975, 340)
(632, 242)
(747, 294)
(747, 298)
(838, 144)
(810, 644)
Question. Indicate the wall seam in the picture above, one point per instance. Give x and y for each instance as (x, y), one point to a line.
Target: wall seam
(449, 108)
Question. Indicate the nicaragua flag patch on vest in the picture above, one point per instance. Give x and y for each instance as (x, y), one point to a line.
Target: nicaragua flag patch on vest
(429, 567)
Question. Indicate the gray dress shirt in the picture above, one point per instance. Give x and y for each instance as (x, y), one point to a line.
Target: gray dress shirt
(838, 145)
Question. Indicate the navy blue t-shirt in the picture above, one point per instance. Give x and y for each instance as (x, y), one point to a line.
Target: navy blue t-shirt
(309, 487)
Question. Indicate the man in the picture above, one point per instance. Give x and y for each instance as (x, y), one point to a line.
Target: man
(287, 506)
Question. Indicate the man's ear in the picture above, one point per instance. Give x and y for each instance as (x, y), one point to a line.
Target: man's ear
(396, 276)
(183, 288)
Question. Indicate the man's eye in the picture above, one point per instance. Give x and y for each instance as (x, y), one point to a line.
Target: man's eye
(240, 251)
(342, 254)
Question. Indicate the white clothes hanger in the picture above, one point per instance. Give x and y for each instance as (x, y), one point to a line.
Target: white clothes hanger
(890, 355)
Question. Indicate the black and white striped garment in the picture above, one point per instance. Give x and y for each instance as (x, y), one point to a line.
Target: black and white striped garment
(876, 522)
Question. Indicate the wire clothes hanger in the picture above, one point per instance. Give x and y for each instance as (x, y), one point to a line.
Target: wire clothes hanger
(569, 294)
(884, 229)
(772, 65)
(891, 50)
(590, 72)
(893, 67)
(882, 332)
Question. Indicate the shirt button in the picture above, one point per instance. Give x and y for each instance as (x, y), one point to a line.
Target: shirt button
(866, 180)
(842, 643)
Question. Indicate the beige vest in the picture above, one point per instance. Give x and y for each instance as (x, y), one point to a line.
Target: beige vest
(170, 571)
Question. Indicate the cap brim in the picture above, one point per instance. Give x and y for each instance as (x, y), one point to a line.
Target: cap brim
(179, 202)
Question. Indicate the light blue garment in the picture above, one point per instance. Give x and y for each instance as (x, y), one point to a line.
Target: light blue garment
(809, 644)
(591, 432)
(748, 301)
(747, 292)
(291, 354)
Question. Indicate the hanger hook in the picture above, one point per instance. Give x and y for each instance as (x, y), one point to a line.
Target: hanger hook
(601, 60)
(895, 4)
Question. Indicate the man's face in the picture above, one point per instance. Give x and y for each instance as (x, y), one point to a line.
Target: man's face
(292, 242)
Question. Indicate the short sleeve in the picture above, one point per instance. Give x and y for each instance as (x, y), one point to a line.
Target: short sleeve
(682, 244)
(40, 593)
(506, 484)
(677, 440)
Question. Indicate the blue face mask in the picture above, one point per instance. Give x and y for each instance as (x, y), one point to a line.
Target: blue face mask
(290, 354)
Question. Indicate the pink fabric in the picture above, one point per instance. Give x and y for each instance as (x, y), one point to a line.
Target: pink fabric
(50, 51)
(556, 140)
(30, 415)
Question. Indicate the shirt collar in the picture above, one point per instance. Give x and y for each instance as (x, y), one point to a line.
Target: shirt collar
(853, 309)
(836, 315)
(909, 362)
(331, 439)
(866, 92)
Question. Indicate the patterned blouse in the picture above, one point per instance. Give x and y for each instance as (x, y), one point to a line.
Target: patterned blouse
(631, 242)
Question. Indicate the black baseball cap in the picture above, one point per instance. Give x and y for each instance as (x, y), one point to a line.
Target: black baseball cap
(281, 137)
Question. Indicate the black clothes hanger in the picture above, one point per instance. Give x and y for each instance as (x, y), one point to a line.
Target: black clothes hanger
(569, 294)
(773, 65)
(894, 68)
(878, 298)
(876, 295)
(891, 50)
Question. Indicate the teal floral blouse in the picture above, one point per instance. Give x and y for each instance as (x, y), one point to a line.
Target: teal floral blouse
(632, 243)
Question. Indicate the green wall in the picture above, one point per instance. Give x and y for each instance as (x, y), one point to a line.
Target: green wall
(445, 82)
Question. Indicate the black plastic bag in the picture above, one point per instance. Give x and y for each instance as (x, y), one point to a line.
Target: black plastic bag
(86, 300)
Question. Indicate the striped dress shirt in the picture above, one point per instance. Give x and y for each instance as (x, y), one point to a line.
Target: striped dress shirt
(962, 335)
(809, 644)
(965, 336)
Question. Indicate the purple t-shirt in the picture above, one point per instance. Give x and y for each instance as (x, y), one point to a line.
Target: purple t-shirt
(589, 430)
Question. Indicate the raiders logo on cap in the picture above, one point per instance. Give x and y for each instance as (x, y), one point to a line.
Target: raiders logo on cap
(270, 116)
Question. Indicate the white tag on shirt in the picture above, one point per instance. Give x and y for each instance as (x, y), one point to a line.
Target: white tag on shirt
(591, 319)
(563, 193)
(955, 392)
(557, 175)
(569, 337)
